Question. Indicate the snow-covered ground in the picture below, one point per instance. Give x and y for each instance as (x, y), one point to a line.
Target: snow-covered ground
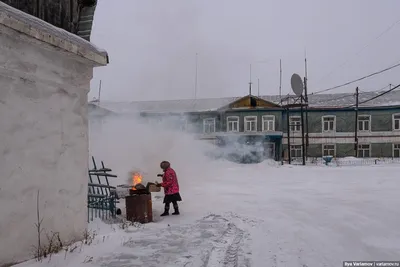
(250, 215)
(261, 215)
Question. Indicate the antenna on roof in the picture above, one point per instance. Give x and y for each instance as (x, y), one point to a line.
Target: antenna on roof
(99, 93)
(305, 76)
(280, 80)
(195, 81)
(305, 63)
(250, 82)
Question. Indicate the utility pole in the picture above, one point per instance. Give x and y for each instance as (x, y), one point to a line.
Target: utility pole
(258, 80)
(303, 145)
(288, 133)
(356, 127)
(306, 101)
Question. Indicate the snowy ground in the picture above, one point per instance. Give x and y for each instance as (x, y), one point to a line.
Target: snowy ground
(259, 215)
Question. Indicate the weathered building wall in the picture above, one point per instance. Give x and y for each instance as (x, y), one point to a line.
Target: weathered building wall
(74, 16)
(380, 137)
(381, 120)
(384, 150)
(60, 13)
(43, 132)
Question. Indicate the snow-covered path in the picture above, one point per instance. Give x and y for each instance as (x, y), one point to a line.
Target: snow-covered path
(261, 215)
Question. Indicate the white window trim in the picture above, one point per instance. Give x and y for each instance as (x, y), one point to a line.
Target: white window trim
(227, 123)
(245, 123)
(290, 123)
(370, 125)
(263, 124)
(301, 150)
(334, 149)
(393, 129)
(204, 124)
(334, 123)
(393, 148)
(370, 147)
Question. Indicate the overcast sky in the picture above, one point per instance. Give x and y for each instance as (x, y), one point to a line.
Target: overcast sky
(152, 46)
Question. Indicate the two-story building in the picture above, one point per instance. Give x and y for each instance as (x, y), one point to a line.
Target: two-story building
(332, 131)
(263, 121)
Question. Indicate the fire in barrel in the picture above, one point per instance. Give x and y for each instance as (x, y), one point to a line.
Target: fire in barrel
(136, 180)
(138, 203)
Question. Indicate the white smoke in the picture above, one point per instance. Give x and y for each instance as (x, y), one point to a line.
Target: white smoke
(127, 143)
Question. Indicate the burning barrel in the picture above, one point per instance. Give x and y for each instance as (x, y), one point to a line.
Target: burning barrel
(138, 202)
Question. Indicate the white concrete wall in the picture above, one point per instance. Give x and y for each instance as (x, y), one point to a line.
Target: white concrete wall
(43, 142)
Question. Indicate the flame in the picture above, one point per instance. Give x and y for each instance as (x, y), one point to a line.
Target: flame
(136, 179)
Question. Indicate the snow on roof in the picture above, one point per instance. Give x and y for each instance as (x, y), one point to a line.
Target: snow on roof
(97, 111)
(212, 104)
(45, 32)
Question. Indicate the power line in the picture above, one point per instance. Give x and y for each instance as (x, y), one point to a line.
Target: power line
(357, 80)
(347, 95)
(373, 91)
(375, 97)
(362, 49)
(381, 94)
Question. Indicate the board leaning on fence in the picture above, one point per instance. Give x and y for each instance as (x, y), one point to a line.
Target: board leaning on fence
(102, 197)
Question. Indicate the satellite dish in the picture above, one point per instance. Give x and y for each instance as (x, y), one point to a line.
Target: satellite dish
(297, 84)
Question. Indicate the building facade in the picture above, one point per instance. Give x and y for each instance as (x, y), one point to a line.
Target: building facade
(330, 130)
(44, 78)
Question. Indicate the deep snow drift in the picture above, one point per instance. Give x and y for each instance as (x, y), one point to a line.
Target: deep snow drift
(244, 215)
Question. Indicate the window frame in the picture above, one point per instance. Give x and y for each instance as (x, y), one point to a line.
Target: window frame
(393, 121)
(369, 122)
(393, 148)
(369, 150)
(301, 151)
(292, 126)
(204, 125)
(245, 123)
(264, 120)
(323, 123)
(237, 121)
(334, 149)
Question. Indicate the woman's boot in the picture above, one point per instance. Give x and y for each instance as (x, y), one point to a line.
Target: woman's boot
(176, 208)
(166, 210)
